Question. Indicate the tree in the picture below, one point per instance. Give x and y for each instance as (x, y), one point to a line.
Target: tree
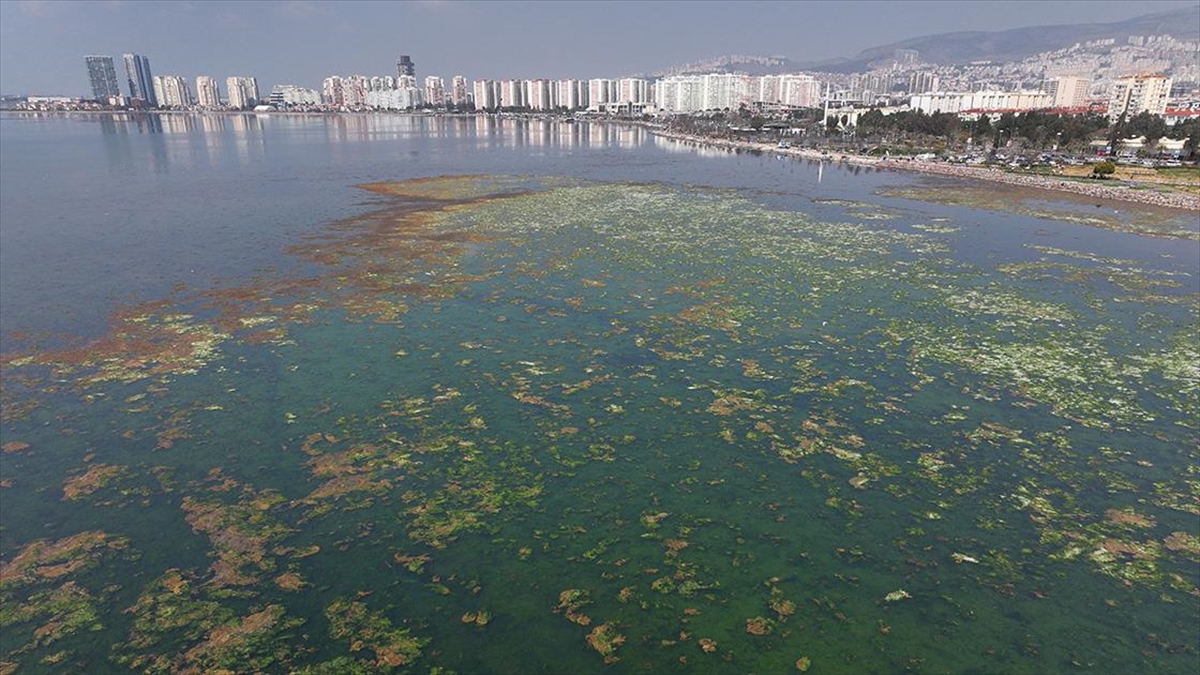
(1104, 169)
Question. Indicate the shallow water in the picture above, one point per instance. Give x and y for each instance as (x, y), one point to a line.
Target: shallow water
(544, 398)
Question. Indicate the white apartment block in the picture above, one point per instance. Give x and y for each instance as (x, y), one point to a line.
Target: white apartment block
(512, 94)
(568, 94)
(206, 92)
(1138, 93)
(175, 91)
(458, 90)
(600, 92)
(400, 98)
(290, 94)
(485, 96)
(435, 91)
(538, 95)
(243, 92)
(956, 102)
(1068, 91)
(633, 90)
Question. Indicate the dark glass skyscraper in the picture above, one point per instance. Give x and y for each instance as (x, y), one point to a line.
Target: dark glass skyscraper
(405, 66)
(141, 83)
(103, 77)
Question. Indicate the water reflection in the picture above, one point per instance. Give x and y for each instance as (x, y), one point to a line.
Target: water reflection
(165, 142)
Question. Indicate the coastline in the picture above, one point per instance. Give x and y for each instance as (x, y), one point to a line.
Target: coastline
(1112, 190)
(1101, 191)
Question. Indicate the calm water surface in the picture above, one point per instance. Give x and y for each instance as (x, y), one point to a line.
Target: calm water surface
(327, 394)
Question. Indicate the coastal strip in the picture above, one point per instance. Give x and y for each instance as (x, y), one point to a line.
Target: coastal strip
(1095, 189)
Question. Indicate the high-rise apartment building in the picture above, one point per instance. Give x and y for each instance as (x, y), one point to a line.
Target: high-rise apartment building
(1138, 93)
(405, 66)
(568, 95)
(539, 97)
(207, 94)
(243, 92)
(459, 94)
(1069, 92)
(923, 82)
(633, 90)
(103, 76)
(485, 98)
(435, 91)
(141, 82)
(512, 94)
(172, 91)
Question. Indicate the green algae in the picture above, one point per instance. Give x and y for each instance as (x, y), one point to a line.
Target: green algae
(688, 393)
(365, 629)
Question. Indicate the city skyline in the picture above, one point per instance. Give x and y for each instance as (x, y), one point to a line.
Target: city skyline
(301, 42)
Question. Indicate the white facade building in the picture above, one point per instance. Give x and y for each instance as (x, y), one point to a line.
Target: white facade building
(242, 91)
(435, 91)
(459, 94)
(175, 91)
(206, 92)
(290, 94)
(956, 102)
(485, 95)
(1069, 92)
(1139, 93)
(512, 94)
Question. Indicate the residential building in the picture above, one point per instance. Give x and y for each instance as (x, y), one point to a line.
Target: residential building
(435, 91)
(538, 97)
(601, 91)
(103, 77)
(512, 94)
(567, 94)
(175, 91)
(207, 94)
(1138, 93)
(485, 95)
(405, 66)
(633, 90)
(242, 91)
(923, 83)
(141, 82)
(1068, 91)
(957, 102)
(799, 91)
(459, 94)
(290, 95)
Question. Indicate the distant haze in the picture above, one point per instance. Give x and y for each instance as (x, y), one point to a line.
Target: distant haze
(42, 43)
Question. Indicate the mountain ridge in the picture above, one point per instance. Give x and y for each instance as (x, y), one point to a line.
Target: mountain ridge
(961, 47)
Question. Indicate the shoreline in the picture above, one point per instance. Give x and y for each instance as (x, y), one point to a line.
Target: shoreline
(1122, 192)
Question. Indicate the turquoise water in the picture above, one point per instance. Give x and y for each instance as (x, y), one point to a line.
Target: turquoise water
(552, 398)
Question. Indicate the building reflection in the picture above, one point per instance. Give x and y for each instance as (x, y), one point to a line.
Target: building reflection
(175, 141)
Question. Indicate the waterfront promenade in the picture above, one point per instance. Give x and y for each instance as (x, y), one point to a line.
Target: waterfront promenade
(1098, 189)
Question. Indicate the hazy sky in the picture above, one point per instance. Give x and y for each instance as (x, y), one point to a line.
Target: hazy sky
(43, 42)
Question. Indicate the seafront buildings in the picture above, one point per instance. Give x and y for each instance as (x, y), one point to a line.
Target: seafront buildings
(1129, 80)
(103, 77)
(172, 91)
(141, 82)
(207, 95)
(243, 92)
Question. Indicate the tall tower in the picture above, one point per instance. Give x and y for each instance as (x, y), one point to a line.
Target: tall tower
(405, 66)
(103, 76)
(141, 83)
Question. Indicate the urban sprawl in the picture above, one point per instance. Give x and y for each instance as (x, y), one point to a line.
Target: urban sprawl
(1156, 75)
